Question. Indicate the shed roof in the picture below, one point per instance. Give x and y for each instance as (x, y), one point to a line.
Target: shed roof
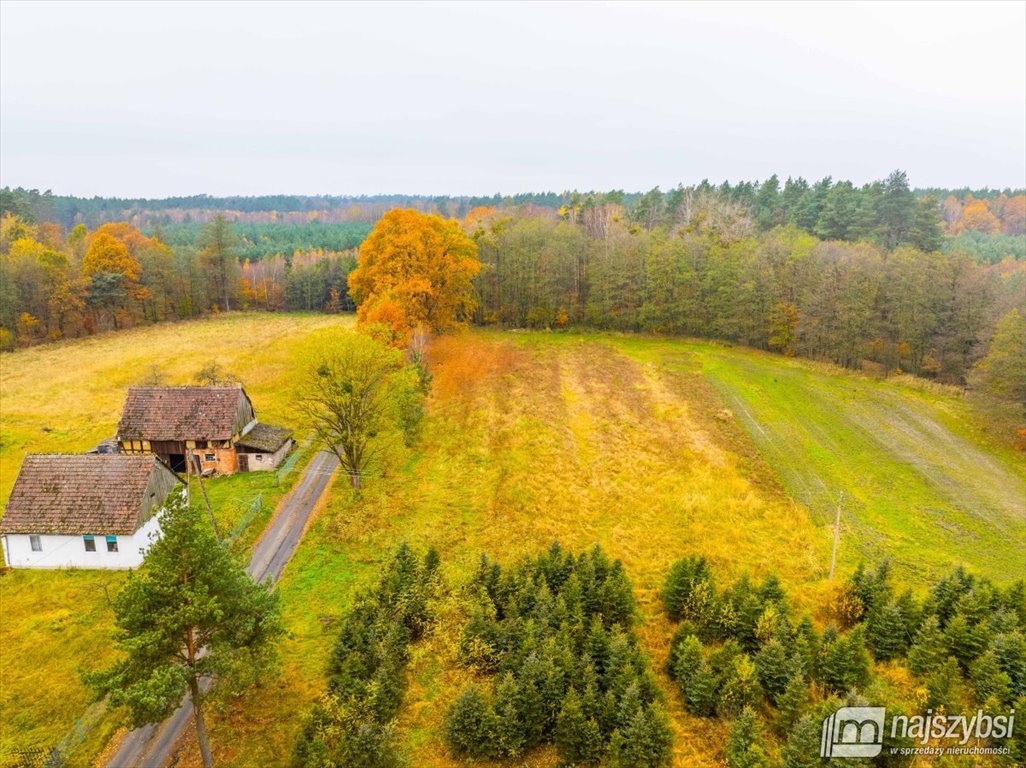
(80, 494)
(181, 413)
(267, 438)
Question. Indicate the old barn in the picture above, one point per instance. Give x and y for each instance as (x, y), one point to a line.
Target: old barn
(212, 426)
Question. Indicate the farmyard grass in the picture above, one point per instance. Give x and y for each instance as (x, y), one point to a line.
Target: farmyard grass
(65, 398)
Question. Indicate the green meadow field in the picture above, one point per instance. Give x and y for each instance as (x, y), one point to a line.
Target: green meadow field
(630, 442)
(653, 448)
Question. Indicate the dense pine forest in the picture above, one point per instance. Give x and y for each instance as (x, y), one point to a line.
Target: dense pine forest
(882, 276)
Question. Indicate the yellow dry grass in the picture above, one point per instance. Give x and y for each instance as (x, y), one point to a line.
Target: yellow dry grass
(65, 398)
(530, 439)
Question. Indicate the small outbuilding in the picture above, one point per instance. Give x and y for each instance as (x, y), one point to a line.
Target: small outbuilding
(84, 510)
(263, 447)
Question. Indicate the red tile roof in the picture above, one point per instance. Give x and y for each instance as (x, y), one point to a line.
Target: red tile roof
(181, 413)
(79, 494)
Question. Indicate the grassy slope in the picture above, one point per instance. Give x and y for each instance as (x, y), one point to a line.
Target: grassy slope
(921, 482)
(530, 439)
(54, 622)
(620, 440)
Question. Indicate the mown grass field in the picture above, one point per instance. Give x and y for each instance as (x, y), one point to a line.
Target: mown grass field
(919, 472)
(68, 397)
(654, 449)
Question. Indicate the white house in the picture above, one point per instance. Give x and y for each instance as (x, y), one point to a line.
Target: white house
(84, 510)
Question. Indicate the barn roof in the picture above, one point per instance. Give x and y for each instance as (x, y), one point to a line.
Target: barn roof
(264, 437)
(79, 494)
(180, 413)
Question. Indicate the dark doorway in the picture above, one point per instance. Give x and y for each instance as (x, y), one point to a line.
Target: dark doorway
(176, 462)
(243, 463)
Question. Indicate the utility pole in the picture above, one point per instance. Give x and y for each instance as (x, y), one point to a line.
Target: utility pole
(206, 499)
(837, 535)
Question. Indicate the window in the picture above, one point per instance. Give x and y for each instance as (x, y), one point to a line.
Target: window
(112, 543)
(209, 457)
(36, 543)
(90, 543)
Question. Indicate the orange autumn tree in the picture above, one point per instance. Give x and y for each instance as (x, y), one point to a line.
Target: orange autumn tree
(415, 270)
(114, 275)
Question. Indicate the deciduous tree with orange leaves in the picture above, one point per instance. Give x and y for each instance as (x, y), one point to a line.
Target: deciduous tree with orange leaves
(415, 270)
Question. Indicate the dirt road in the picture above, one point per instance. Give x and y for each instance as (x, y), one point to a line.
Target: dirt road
(151, 746)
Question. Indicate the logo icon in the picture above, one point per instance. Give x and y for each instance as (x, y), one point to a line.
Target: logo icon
(853, 732)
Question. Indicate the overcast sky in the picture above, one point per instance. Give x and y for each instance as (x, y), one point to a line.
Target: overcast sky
(150, 99)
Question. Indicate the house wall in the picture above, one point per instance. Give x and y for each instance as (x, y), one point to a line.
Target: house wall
(162, 482)
(70, 552)
(267, 461)
(224, 462)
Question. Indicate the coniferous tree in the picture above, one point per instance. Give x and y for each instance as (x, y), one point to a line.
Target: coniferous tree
(988, 679)
(745, 747)
(643, 742)
(470, 725)
(186, 614)
(886, 632)
(896, 210)
(1017, 744)
(701, 695)
(966, 639)
(685, 660)
(803, 744)
(509, 729)
(578, 738)
(616, 598)
(837, 218)
(927, 234)
(792, 703)
(1010, 650)
(774, 668)
(929, 649)
(941, 683)
(689, 590)
(845, 662)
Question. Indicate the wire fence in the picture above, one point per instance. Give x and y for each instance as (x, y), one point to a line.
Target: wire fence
(56, 756)
(290, 464)
(247, 517)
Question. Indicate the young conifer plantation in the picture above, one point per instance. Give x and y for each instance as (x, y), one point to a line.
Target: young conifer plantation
(555, 635)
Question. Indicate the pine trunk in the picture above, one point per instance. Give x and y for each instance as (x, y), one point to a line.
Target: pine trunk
(201, 726)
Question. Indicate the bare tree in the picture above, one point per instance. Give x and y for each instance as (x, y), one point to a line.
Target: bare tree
(349, 398)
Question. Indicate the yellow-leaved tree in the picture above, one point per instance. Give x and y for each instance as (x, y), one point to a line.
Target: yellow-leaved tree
(415, 271)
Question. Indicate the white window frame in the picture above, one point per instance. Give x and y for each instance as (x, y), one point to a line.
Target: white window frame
(36, 542)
